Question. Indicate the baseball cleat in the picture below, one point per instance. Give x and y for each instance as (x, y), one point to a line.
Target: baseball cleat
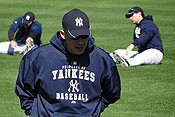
(123, 62)
(29, 46)
(112, 55)
(115, 56)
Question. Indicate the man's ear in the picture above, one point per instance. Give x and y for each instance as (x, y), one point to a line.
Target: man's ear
(140, 14)
(62, 33)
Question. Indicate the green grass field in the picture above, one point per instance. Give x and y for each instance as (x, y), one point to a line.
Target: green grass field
(147, 91)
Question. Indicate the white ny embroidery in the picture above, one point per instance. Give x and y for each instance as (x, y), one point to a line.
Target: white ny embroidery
(27, 17)
(137, 32)
(79, 21)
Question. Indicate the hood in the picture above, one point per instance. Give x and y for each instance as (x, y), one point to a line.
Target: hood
(57, 42)
(148, 17)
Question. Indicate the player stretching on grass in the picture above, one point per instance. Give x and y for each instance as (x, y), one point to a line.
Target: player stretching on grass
(27, 36)
(146, 38)
(70, 77)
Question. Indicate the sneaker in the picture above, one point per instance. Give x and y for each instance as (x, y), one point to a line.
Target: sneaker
(123, 62)
(112, 55)
(29, 47)
(115, 56)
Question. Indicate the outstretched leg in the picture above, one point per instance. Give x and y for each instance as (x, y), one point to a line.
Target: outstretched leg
(5, 48)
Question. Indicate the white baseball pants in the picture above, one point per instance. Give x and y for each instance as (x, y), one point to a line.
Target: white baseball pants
(5, 48)
(150, 56)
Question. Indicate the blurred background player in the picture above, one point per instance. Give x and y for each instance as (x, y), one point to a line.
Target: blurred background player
(146, 38)
(28, 34)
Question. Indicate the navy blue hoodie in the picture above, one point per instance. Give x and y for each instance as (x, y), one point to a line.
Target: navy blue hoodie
(146, 35)
(34, 31)
(53, 82)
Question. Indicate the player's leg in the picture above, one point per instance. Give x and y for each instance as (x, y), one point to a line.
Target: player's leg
(5, 48)
(20, 48)
(119, 55)
(118, 52)
(122, 53)
(155, 56)
(150, 56)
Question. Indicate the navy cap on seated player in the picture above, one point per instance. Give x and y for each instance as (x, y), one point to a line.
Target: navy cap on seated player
(70, 76)
(28, 19)
(133, 10)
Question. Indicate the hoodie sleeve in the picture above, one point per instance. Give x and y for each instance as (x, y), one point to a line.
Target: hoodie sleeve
(25, 84)
(147, 32)
(36, 31)
(111, 87)
(13, 28)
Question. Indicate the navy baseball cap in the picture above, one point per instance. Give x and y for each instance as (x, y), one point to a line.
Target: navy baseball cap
(28, 18)
(133, 10)
(76, 23)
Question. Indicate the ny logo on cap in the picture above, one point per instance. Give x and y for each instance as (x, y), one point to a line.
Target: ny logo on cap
(79, 21)
(27, 17)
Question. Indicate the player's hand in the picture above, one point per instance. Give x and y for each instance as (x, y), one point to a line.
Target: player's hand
(13, 44)
(28, 40)
(129, 48)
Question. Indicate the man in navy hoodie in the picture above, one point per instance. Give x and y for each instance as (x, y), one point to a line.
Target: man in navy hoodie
(146, 38)
(24, 34)
(70, 76)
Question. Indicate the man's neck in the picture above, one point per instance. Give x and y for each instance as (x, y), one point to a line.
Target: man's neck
(140, 19)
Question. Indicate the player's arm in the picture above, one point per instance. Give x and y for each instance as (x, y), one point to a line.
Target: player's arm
(146, 35)
(11, 38)
(14, 26)
(129, 48)
(25, 85)
(111, 85)
(36, 31)
(11, 34)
